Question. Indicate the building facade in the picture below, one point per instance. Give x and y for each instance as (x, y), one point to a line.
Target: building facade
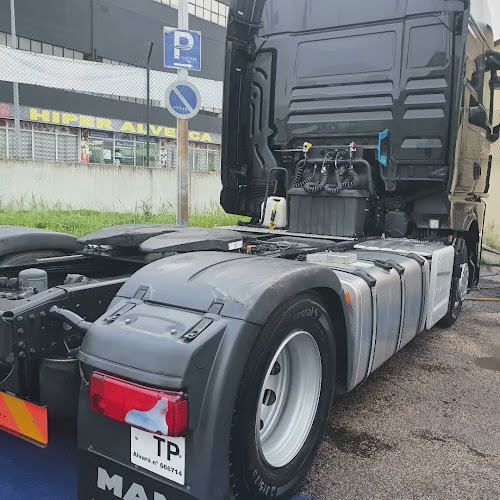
(106, 40)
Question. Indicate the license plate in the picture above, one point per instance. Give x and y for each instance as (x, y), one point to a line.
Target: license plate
(163, 455)
(24, 419)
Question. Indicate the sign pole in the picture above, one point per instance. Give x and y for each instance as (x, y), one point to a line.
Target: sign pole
(183, 138)
(148, 100)
(15, 85)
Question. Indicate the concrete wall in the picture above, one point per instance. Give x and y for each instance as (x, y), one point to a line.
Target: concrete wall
(102, 187)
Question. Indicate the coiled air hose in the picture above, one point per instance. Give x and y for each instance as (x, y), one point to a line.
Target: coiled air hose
(352, 179)
(335, 189)
(317, 187)
(298, 178)
(350, 182)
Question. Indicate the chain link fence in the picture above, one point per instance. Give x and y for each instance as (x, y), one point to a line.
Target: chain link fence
(58, 135)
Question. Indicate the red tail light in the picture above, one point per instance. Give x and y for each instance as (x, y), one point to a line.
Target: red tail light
(154, 410)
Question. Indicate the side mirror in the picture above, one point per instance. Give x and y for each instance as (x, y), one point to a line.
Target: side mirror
(477, 116)
(493, 60)
(495, 135)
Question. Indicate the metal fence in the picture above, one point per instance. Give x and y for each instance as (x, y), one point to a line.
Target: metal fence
(61, 135)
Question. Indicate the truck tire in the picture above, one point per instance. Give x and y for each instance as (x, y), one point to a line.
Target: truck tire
(283, 401)
(459, 288)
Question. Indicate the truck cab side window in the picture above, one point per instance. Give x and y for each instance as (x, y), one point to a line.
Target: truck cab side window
(479, 107)
(493, 65)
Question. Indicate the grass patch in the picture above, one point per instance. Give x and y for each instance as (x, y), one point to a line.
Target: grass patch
(82, 222)
(492, 237)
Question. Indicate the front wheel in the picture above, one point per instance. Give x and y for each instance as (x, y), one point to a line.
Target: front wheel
(284, 401)
(459, 285)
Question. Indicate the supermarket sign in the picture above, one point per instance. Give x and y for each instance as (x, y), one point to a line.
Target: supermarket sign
(105, 124)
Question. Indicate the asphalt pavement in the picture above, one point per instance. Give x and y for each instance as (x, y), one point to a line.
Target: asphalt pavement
(427, 424)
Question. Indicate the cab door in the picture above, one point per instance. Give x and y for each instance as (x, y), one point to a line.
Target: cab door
(473, 136)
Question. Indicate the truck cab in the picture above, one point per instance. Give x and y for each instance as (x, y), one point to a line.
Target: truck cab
(410, 83)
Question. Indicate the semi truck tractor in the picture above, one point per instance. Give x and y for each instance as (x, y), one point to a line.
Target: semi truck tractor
(203, 362)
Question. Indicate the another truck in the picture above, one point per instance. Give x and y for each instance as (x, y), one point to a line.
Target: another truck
(203, 362)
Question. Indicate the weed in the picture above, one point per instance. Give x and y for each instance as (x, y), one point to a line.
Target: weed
(492, 237)
(82, 222)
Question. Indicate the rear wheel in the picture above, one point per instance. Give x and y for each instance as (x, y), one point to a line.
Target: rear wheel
(284, 401)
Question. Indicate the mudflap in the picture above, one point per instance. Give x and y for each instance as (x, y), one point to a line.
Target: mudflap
(209, 374)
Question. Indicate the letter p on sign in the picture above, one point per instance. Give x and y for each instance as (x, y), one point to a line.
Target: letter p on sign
(183, 40)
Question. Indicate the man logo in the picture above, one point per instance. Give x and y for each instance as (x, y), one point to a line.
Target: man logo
(115, 485)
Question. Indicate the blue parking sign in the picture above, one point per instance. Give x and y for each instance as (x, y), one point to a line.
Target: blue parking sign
(183, 99)
(182, 49)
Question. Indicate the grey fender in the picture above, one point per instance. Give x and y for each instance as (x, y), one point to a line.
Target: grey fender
(238, 293)
(248, 288)
(15, 239)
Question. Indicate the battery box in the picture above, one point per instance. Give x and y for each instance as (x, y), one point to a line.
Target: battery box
(342, 214)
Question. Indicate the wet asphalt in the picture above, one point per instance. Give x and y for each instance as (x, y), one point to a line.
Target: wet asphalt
(424, 426)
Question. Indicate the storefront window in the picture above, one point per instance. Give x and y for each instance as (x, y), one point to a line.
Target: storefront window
(101, 146)
(45, 146)
(213, 162)
(67, 148)
(168, 153)
(204, 157)
(26, 141)
(52, 142)
(124, 152)
(140, 151)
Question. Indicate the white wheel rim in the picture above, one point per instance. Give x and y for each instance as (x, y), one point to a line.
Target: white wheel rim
(289, 399)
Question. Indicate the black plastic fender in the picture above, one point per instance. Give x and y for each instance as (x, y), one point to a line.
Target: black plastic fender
(249, 288)
(233, 295)
(15, 239)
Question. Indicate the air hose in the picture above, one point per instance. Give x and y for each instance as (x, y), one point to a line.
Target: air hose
(335, 189)
(298, 180)
(317, 187)
(352, 179)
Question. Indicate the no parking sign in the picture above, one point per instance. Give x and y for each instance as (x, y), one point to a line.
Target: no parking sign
(183, 99)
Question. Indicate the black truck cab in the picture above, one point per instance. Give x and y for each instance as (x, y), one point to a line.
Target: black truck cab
(409, 82)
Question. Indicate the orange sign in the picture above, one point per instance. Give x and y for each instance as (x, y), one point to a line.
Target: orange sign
(25, 420)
